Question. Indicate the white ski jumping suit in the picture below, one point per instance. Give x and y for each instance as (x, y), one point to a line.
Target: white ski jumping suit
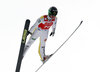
(41, 29)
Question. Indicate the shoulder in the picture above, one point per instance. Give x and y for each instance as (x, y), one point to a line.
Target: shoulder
(56, 18)
(44, 16)
(41, 18)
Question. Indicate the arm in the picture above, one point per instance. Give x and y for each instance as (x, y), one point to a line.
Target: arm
(34, 26)
(53, 28)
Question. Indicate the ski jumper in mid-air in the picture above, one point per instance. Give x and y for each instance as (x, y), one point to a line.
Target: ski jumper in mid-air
(41, 29)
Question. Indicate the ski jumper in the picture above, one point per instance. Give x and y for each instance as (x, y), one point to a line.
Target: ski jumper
(41, 29)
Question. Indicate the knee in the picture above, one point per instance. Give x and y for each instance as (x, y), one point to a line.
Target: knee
(33, 38)
(45, 40)
(42, 46)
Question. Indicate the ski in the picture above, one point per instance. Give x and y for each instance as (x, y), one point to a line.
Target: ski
(61, 45)
(23, 41)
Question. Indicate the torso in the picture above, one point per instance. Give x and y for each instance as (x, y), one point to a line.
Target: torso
(45, 22)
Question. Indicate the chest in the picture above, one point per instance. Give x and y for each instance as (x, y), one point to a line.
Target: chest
(45, 24)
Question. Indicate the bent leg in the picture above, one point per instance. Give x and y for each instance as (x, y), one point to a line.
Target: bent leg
(30, 42)
(27, 46)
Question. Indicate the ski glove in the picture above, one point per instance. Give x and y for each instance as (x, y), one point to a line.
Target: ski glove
(29, 33)
(52, 33)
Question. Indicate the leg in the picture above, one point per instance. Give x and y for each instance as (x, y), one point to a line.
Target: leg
(27, 46)
(41, 50)
(30, 42)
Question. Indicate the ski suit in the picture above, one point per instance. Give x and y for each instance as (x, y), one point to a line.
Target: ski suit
(41, 29)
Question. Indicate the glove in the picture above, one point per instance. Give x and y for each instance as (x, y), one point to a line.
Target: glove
(29, 33)
(52, 33)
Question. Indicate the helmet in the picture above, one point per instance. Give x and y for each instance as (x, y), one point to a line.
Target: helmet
(52, 11)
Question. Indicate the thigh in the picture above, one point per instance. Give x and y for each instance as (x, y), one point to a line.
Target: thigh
(43, 38)
(35, 35)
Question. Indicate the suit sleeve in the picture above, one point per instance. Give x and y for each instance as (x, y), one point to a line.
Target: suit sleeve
(35, 25)
(54, 25)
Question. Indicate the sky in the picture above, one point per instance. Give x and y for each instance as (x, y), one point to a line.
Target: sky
(81, 53)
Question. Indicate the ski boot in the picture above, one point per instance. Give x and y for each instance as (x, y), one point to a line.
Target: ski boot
(46, 57)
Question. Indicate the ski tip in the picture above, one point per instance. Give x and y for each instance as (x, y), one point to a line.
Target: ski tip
(81, 22)
(27, 21)
(51, 54)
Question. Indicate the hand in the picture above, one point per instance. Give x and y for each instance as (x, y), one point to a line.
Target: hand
(52, 33)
